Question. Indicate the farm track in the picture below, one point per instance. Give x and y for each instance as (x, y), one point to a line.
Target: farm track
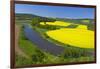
(17, 49)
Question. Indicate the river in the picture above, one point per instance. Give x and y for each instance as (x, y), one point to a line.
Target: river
(43, 44)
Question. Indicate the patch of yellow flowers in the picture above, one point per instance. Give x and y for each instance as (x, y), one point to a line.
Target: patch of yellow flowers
(58, 23)
(78, 37)
(82, 27)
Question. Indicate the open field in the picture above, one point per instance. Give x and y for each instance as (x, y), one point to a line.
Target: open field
(82, 27)
(85, 21)
(57, 23)
(75, 37)
(79, 36)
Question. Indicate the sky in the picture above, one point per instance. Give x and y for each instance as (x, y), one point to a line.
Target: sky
(55, 11)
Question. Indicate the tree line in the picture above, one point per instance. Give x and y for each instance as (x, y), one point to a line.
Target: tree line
(36, 20)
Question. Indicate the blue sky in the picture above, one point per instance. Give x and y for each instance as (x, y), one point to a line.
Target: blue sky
(55, 11)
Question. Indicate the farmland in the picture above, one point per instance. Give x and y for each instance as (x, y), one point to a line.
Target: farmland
(76, 39)
(79, 36)
(57, 23)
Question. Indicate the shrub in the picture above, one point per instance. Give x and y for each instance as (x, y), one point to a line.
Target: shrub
(20, 60)
(38, 56)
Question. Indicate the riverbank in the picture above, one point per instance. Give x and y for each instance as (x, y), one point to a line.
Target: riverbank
(17, 48)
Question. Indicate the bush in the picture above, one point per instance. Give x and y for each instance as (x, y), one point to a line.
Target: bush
(21, 61)
(38, 56)
(72, 52)
(49, 27)
(91, 26)
(22, 35)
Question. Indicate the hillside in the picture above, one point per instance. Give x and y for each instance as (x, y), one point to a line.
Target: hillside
(21, 16)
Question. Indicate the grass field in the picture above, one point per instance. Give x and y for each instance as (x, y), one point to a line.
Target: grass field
(85, 21)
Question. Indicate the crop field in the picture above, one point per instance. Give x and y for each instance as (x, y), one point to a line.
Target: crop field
(82, 27)
(57, 23)
(75, 37)
(78, 37)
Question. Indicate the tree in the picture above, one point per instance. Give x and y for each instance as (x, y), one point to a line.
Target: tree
(36, 21)
(43, 19)
(38, 56)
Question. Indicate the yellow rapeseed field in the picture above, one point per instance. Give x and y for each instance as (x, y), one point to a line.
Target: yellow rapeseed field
(58, 23)
(76, 37)
(82, 27)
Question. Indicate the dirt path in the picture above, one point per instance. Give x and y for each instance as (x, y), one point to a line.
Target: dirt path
(17, 49)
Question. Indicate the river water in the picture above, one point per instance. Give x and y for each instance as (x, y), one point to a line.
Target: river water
(43, 44)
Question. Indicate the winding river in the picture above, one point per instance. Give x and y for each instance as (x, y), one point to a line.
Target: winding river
(43, 44)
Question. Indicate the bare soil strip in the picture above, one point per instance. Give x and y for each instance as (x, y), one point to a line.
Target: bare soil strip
(17, 49)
